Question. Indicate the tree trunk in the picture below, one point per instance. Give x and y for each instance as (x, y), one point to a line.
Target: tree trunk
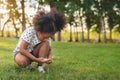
(104, 30)
(76, 35)
(2, 31)
(8, 33)
(23, 15)
(59, 36)
(82, 34)
(99, 40)
(110, 35)
(1, 16)
(16, 29)
(88, 35)
(70, 32)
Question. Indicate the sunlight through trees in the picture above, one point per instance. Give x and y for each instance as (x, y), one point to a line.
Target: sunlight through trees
(89, 20)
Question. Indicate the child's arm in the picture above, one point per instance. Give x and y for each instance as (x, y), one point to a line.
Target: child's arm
(50, 56)
(23, 51)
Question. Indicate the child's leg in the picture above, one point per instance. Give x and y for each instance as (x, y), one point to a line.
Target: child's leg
(21, 60)
(42, 50)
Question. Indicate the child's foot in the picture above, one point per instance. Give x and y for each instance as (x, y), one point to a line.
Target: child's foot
(41, 69)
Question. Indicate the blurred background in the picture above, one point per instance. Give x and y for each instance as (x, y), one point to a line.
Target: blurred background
(87, 20)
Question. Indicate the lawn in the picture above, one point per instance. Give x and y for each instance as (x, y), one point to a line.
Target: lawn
(71, 61)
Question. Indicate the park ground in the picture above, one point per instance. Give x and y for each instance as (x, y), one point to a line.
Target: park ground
(71, 61)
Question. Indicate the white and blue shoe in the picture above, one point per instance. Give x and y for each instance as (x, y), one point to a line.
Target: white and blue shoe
(41, 69)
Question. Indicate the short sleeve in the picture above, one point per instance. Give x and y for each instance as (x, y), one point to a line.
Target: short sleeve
(49, 40)
(27, 35)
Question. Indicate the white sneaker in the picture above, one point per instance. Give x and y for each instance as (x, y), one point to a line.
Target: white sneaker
(41, 69)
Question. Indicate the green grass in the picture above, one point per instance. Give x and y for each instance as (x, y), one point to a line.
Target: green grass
(71, 61)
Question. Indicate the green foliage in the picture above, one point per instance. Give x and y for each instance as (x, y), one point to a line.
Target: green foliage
(87, 5)
(93, 10)
(71, 8)
(71, 61)
(112, 20)
(90, 20)
(13, 9)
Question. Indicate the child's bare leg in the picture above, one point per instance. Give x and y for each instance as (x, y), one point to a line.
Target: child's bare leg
(42, 50)
(21, 60)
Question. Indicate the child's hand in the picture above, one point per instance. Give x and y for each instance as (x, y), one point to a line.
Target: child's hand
(41, 60)
(49, 60)
(45, 60)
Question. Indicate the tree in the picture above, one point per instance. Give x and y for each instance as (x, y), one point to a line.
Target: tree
(100, 12)
(23, 15)
(90, 22)
(76, 33)
(70, 9)
(87, 4)
(13, 15)
(112, 22)
(79, 8)
(118, 13)
(1, 14)
(108, 6)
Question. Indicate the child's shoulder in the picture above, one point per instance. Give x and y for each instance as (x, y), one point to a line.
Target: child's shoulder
(30, 29)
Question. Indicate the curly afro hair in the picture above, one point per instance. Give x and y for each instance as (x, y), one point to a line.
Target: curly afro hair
(44, 23)
(51, 22)
(60, 19)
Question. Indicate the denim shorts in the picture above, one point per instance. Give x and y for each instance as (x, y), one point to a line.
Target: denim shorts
(15, 53)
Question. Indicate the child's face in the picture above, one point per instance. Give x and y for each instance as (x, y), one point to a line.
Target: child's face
(43, 36)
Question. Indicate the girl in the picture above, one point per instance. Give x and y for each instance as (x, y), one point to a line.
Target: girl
(34, 43)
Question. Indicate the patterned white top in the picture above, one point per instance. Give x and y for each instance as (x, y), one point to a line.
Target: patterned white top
(29, 35)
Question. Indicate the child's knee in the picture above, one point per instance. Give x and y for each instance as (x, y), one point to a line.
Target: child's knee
(22, 62)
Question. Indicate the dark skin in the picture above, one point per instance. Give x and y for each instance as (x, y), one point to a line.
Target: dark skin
(43, 50)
